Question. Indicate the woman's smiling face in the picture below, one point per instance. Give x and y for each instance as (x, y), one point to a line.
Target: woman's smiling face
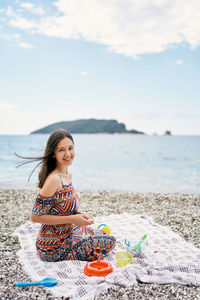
(64, 152)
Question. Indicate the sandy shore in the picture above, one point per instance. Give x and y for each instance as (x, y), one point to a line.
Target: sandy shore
(179, 211)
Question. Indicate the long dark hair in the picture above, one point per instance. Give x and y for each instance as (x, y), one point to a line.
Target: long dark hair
(47, 161)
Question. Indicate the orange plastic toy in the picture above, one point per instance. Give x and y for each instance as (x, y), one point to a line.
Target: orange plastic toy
(98, 268)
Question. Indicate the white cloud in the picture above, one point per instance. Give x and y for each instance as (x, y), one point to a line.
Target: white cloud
(127, 27)
(179, 62)
(25, 45)
(32, 8)
(84, 73)
(27, 5)
(23, 23)
(10, 12)
(39, 11)
(17, 38)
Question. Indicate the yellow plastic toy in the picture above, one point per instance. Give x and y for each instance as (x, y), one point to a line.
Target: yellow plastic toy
(123, 258)
(105, 228)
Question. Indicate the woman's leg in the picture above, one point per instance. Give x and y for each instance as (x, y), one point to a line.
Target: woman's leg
(93, 247)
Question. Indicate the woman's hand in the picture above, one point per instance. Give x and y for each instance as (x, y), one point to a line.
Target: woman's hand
(82, 219)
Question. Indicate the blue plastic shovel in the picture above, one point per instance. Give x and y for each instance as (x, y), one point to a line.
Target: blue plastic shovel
(45, 282)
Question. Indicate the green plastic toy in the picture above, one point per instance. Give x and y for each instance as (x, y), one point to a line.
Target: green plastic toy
(138, 247)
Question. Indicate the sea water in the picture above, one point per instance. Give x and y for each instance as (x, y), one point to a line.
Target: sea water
(123, 162)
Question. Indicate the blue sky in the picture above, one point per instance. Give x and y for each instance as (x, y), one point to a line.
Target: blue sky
(134, 61)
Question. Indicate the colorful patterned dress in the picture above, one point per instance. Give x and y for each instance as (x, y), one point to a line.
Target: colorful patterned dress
(68, 241)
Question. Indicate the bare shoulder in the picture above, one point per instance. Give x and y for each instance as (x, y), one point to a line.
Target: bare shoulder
(51, 186)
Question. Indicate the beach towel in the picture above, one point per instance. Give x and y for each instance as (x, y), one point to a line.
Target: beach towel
(166, 258)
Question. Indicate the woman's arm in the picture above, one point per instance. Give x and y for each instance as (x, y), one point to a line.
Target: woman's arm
(78, 219)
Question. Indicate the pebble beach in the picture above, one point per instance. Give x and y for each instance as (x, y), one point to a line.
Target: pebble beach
(178, 211)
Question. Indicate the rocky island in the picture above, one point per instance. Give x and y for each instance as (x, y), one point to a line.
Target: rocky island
(88, 126)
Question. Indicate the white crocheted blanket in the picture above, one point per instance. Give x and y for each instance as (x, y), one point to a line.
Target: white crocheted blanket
(167, 259)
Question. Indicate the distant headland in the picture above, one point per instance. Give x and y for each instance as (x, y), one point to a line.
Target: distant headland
(88, 126)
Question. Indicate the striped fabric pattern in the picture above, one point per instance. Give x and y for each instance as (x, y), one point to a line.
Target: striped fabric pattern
(68, 241)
